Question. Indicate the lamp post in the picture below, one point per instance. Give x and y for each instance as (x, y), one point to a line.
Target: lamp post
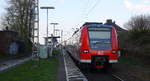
(57, 32)
(47, 8)
(54, 27)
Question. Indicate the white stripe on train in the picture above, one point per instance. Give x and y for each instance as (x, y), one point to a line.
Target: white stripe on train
(89, 61)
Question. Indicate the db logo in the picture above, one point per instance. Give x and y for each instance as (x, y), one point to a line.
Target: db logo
(100, 52)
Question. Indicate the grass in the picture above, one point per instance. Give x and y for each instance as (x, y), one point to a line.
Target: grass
(130, 60)
(42, 70)
(55, 52)
(3, 56)
(137, 67)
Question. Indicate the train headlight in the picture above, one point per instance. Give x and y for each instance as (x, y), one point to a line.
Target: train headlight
(114, 51)
(85, 51)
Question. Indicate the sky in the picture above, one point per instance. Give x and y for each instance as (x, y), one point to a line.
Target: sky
(71, 14)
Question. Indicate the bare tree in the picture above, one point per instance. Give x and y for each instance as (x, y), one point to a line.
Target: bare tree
(20, 17)
(138, 37)
(141, 22)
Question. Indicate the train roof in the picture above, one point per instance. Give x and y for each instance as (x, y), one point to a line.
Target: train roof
(96, 24)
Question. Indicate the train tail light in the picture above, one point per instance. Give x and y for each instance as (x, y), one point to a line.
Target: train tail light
(114, 51)
(85, 51)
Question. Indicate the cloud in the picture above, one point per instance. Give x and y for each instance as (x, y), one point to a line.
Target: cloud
(146, 1)
(141, 6)
(59, 0)
(128, 4)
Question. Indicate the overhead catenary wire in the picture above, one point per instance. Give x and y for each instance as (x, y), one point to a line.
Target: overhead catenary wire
(93, 7)
(86, 6)
(87, 10)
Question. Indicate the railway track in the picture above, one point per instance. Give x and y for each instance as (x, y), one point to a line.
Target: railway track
(91, 76)
(117, 77)
(101, 76)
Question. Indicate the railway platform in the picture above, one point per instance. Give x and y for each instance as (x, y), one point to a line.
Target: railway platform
(68, 71)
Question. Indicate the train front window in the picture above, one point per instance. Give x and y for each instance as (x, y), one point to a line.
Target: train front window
(100, 40)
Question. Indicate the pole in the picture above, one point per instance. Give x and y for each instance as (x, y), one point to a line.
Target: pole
(61, 36)
(47, 22)
(61, 39)
(38, 21)
(47, 26)
(54, 30)
(47, 29)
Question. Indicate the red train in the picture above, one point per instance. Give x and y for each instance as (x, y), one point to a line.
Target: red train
(94, 44)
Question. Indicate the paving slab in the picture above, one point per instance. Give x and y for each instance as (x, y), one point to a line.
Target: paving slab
(7, 64)
(61, 75)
